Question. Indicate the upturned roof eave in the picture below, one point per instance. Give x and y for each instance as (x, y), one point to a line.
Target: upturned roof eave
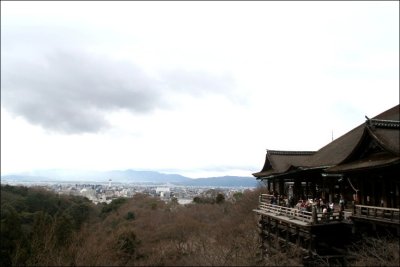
(297, 170)
(348, 168)
(380, 142)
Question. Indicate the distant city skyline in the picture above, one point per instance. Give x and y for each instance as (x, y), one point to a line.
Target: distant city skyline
(198, 88)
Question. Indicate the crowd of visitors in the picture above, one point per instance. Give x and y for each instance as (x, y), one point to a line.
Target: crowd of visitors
(307, 204)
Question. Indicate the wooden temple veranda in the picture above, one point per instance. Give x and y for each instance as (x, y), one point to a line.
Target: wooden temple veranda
(358, 174)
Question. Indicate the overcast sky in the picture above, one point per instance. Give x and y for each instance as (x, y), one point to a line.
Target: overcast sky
(199, 88)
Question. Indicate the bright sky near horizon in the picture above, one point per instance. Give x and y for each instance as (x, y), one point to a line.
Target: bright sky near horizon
(200, 88)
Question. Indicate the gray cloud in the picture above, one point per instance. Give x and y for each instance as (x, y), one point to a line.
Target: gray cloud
(71, 92)
(66, 89)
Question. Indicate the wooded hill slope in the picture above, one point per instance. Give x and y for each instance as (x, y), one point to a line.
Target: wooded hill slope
(40, 228)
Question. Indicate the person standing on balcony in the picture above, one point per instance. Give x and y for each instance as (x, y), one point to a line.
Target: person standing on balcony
(331, 207)
(273, 200)
(322, 204)
(341, 203)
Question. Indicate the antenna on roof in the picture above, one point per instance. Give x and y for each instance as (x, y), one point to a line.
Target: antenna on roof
(332, 135)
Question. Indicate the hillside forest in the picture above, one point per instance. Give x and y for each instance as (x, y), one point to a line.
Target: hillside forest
(41, 228)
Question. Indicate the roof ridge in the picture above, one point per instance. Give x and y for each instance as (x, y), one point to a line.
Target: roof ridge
(383, 123)
(287, 152)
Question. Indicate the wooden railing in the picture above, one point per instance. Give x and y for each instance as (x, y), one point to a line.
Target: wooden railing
(265, 198)
(291, 213)
(312, 217)
(373, 212)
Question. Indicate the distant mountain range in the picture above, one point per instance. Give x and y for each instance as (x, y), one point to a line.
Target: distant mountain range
(129, 176)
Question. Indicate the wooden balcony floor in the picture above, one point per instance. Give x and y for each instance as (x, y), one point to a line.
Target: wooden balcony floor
(281, 217)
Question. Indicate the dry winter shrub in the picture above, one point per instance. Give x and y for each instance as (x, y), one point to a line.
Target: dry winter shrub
(283, 259)
(376, 252)
(159, 234)
(92, 247)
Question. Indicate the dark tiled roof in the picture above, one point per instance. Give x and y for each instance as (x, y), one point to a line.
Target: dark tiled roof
(384, 128)
(388, 138)
(279, 161)
(364, 164)
(338, 150)
(290, 153)
(384, 123)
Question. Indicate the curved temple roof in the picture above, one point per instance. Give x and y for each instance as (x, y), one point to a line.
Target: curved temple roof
(280, 161)
(340, 154)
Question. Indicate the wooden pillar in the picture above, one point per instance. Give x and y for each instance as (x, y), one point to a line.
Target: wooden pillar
(311, 244)
(287, 235)
(342, 190)
(360, 185)
(383, 198)
(273, 184)
(297, 189)
(290, 192)
(307, 189)
(313, 190)
(263, 237)
(397, 195)
(372, 195)
(392, 187)
(314, 214)
(281, 187)
(331, 190)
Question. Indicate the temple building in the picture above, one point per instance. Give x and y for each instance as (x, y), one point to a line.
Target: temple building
(361, 168)
(362, 165)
